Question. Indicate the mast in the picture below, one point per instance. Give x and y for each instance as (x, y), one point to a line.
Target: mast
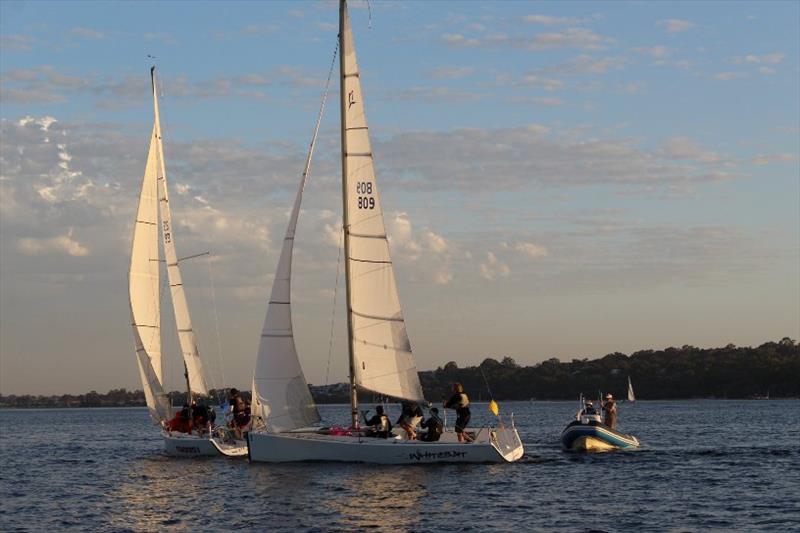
(345, 224)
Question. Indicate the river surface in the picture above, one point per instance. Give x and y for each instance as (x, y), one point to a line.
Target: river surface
(705, 465)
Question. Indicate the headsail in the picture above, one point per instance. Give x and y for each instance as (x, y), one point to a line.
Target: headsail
(281, 398)
(143, 290)
(183, 320)
(631, 396)
(381, 351)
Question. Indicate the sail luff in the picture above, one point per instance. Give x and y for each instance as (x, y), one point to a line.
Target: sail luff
(183, 320)
(343, 22)
(381, 356)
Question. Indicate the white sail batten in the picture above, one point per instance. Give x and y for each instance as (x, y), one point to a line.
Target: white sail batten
(143, 289)
(281, 398)
(183, 320)
(381, 350)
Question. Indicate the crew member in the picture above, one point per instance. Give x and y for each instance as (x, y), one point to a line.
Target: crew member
(434, 426)
(460, 402)
(409, 418)
(610, 411)
(379, 425)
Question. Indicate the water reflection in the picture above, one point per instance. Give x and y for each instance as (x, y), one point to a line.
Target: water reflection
(387, 497)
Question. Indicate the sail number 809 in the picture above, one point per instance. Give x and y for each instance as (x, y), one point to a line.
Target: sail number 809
(365, 202)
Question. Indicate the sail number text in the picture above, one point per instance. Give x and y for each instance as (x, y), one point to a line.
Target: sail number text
(365, 188)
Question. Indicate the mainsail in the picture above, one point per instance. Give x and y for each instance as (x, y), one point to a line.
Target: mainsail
(183, 320)
(631, 397)
(381, 358)
(281, 398)
(143, 290)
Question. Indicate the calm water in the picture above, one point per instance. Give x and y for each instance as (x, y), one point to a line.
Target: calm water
(707, 465)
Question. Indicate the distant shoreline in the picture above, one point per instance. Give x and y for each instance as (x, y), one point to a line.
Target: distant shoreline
(768, 371)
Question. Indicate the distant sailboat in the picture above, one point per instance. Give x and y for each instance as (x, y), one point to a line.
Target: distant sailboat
(631, 396)
(144, 285)
(381, 360)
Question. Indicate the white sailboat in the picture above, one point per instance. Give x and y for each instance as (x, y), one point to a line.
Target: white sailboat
(153, 217)
(631, 396)
(381, 360)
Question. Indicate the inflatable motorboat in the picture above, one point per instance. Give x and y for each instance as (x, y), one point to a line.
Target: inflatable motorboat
(589, 434)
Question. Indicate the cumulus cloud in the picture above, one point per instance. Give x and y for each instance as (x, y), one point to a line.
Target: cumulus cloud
(60, 244)
(532, 250)
(493, 267)
(675, 25)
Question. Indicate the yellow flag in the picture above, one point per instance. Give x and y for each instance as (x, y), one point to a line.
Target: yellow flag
(494, 408)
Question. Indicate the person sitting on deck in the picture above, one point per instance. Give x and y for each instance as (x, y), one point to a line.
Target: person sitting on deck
(379, 425)
(610, 412)
(240, 408)
(434, 426)
(181, 422)
(204, 417)
(460, 402)
(409, 418)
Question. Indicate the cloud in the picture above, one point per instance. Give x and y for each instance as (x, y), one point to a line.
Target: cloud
(493, 268)
(537, 100)
(548, 20)
(585, 64)
(433, 95)
(532, 250)
(59, 244)
(450, 72)
(17, 43)
(685, 148)
(86, 33)
(657, 52)
(766, 159)
(769, 59)
(580, 38)
(675, 25)
(511, 158)
(727, 76)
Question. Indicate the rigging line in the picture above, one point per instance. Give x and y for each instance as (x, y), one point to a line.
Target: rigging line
(333, 312)
(220, 364)
(369, 10)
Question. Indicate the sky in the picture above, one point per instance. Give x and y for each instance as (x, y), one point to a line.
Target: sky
(562, 179)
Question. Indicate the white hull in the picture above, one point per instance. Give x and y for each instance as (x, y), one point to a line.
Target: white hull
(490, 446)
(183, 445)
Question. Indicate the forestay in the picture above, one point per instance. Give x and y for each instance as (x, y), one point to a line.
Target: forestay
(183, 320)
(382, 358)
(143, 289)
(280, 392)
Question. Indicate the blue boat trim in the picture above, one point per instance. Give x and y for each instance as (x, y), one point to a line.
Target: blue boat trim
(598, 431)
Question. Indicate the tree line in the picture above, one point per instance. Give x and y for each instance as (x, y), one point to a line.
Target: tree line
(771, 369)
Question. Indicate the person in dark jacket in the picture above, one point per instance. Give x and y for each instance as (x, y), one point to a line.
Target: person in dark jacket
(434, 426)
(240, 408)
(409, 418)
(379, 425)
(460, 402)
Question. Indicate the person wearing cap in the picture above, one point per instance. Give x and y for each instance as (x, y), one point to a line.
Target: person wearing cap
(588, 408)
(460, 402)
(434, 426)
(610, 412)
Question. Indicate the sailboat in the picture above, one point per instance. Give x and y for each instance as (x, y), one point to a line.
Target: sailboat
(631, 396)
(380, 356)
(144, 286)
